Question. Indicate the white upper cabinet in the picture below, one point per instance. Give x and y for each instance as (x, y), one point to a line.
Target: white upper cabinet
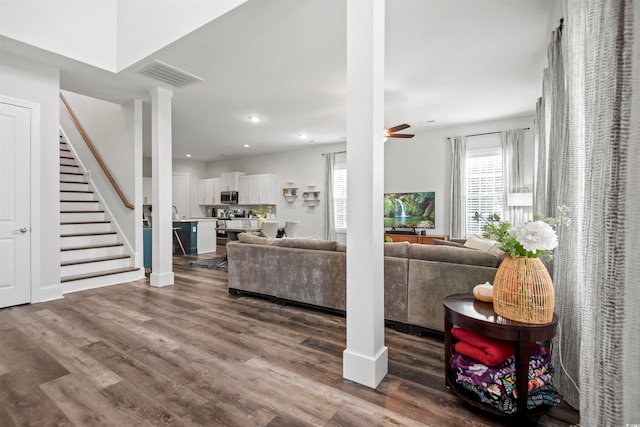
(257, 189)
(229, 181)
(209, 191)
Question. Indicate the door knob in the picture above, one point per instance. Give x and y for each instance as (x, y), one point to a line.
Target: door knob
(23, 230)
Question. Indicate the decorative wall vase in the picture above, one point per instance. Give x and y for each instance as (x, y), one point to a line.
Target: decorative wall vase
(523, 291)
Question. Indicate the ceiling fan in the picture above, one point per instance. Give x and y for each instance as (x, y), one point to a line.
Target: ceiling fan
(391, 132)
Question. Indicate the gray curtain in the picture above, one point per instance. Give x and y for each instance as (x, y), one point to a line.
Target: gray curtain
(513, 172)
(329, 213)
(549, 130)
(458, 224)
(594, 157)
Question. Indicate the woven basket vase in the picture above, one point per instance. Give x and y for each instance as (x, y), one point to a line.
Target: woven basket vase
(523, 291)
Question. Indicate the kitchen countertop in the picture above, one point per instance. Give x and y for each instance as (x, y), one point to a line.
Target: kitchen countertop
(195, 219)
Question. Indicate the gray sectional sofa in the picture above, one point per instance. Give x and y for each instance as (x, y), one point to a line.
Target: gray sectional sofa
(313, 272)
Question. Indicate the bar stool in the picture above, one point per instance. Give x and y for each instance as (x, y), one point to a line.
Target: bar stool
(177, 236)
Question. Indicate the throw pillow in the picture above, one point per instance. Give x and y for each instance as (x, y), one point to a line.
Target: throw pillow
(477, 242)
(439, 242)
(250, 238)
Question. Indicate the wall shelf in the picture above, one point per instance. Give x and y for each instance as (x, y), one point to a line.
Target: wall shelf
(290, 192)
(311, 196)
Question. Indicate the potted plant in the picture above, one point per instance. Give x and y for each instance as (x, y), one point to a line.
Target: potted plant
(522, 289)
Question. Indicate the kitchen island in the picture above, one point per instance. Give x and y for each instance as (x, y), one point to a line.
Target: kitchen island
(198, 236)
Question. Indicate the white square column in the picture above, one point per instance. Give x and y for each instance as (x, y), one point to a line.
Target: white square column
(161, 170)
(365, 360)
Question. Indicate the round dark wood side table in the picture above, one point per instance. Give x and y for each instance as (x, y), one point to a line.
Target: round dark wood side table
(465, 311)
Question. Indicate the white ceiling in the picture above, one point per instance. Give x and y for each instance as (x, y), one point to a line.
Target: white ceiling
(452, 61)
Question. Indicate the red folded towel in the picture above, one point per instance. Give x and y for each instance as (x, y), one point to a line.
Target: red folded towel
(489, 351)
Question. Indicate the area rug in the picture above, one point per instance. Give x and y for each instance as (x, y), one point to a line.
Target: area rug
(218, 263)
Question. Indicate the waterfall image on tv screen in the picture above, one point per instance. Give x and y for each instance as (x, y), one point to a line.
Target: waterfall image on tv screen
(410, 209)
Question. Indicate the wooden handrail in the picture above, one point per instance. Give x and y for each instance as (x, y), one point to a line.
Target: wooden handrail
(87, 140)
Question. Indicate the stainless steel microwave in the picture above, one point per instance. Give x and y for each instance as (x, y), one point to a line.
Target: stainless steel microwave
(229, 197)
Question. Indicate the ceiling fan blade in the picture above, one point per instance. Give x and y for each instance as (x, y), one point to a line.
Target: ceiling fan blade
(397, 128)
(401, 135)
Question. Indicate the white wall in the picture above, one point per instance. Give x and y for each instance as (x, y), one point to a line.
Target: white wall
(419, 164)
(109, 34)
(145, 26)
(81, 30)
(40, 84)
(110, 127)
(304, 167)
(423, 163)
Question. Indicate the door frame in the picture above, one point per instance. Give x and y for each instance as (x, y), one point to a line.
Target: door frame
(34, 188)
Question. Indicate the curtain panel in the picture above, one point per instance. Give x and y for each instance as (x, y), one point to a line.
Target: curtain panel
(588, 133)
(458, 208)
(513, 172)
(329, 212)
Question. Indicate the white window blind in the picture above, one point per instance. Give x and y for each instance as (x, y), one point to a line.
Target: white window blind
(484, 185)
(340, 196)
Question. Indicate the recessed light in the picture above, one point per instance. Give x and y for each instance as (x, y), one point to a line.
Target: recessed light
(302, 136)
(188, 155)
(254, 119)
(246, 145)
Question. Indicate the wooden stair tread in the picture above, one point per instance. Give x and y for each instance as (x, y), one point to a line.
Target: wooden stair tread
(84, 222)
(71, 173)
(78, 201)
(66, 212)
(80, 248)
(97, 259)
(77, 191)
(72, 182)
(97, 274)
(97, 233)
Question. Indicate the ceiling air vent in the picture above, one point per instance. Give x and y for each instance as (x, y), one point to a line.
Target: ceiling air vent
(167, 73)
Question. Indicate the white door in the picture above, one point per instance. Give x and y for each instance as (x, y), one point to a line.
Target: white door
(15, 208)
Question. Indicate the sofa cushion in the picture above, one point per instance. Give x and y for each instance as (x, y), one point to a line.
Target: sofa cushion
(321, 245)
(439, 242)
(397, 249)
(257, 240)
(452, 255)
(341, 248)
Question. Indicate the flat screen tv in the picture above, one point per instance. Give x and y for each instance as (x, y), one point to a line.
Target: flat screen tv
(414, 210)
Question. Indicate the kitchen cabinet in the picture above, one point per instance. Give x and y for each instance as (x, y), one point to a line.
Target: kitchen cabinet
(229, 181)
(147, 246)
(146, 190)
(206, 236)
(188, 232)
(258, 189)
(209, 191)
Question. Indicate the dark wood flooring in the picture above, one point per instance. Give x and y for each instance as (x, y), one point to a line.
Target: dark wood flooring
(191, 354)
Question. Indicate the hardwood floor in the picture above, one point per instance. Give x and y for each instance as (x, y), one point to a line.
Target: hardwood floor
(191, 354)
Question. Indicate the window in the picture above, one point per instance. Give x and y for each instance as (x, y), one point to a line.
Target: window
(484, 185)
(340, 196)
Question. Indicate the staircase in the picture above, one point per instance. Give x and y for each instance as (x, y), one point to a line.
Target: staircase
(91, 254)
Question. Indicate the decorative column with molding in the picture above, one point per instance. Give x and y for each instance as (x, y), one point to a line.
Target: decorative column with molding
(365, 360)
(161, 171)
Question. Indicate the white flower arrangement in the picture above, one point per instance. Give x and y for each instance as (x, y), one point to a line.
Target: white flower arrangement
(531, 239)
